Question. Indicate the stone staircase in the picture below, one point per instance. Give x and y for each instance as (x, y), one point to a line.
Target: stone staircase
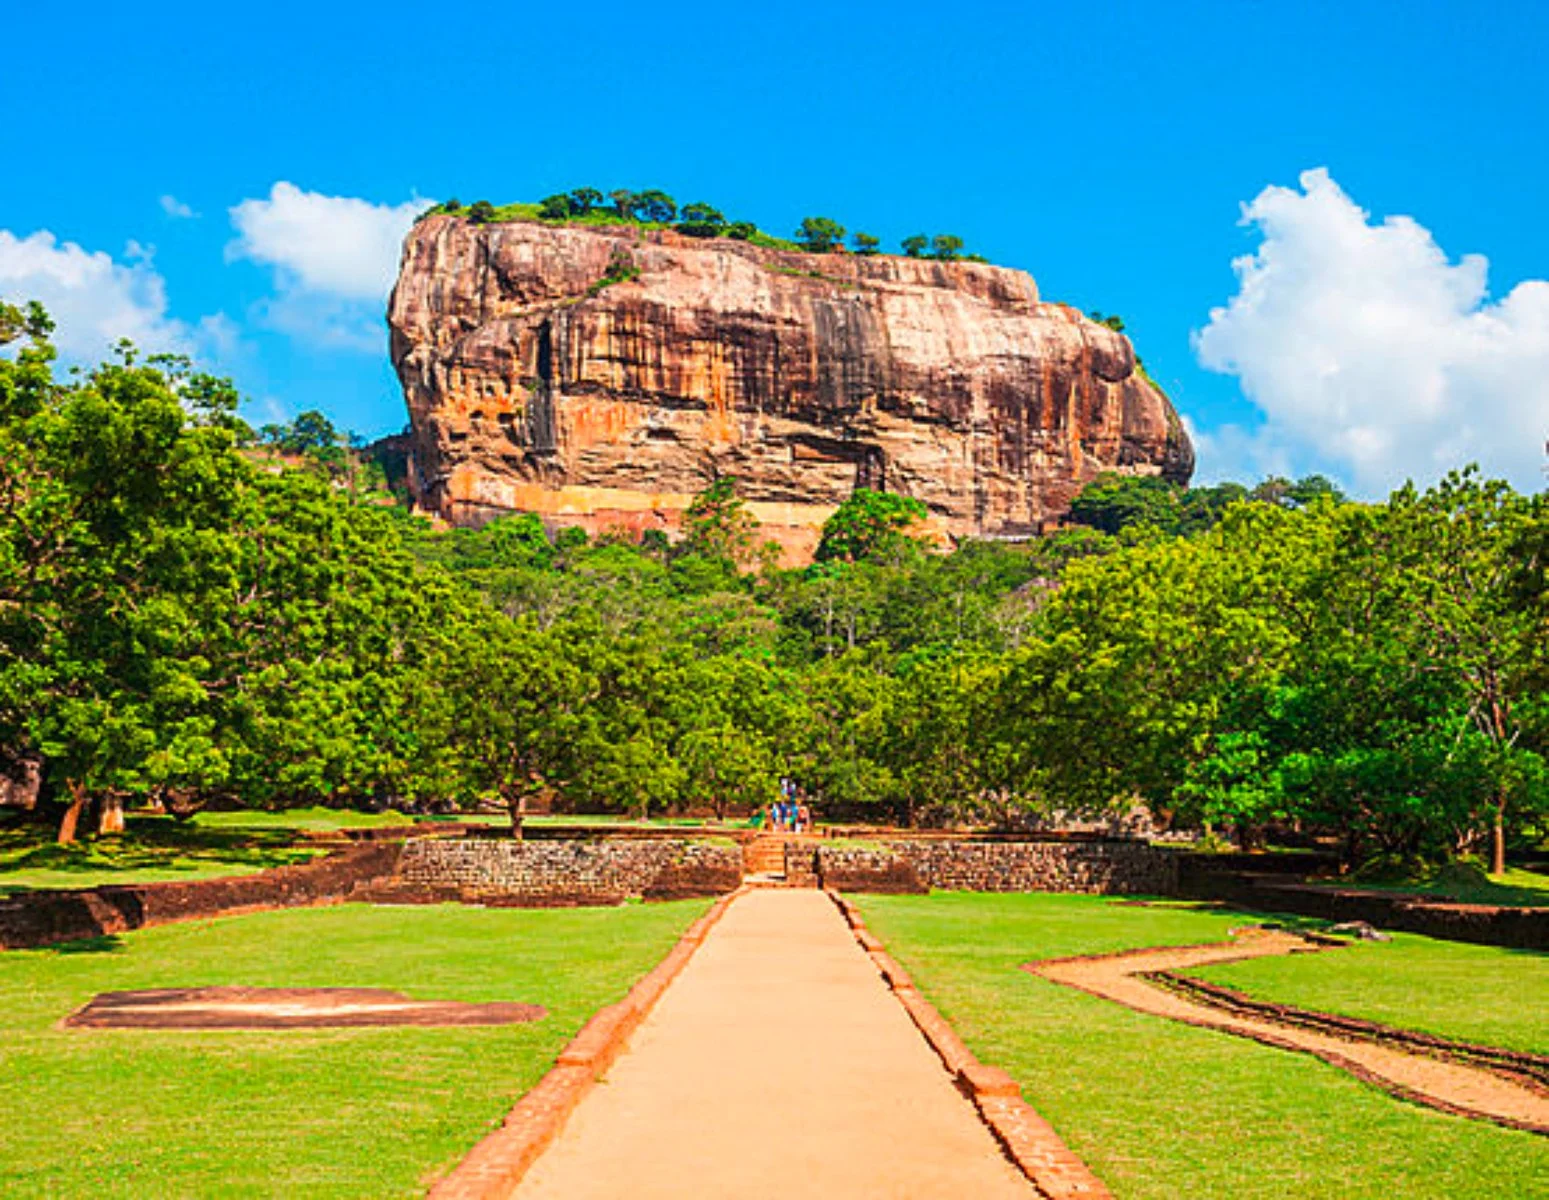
(780, 859)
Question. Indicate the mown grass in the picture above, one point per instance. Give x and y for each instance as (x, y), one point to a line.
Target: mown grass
(315, 819)
(302, 1113)
(1516, 888)
(1161, 1110)
(1472, 993)
(151, 850)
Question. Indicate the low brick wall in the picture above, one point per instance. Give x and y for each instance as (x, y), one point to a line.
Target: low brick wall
(1104, 867)
(856, 869)
(561, 873)
(42, 918)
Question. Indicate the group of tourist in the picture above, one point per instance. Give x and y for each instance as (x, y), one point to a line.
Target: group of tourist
(790, 813)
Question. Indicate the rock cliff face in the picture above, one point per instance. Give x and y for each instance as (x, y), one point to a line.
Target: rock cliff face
(601, 376)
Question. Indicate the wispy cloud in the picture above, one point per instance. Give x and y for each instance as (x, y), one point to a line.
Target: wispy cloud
(176, 209)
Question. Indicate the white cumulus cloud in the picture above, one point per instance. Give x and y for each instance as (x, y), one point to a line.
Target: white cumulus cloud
(1372, 355)
(95, 300)
(334, 260)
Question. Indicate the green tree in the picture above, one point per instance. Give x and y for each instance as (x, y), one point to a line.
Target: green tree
(558, 207)
(108, 485)
(1114, 502)
(655, 207)
(718, 525)
(481, 212)
(869, 524)
(1454, 550)
(584, 200)
(865, 244)
(947, 247)
(701, 220)
(500, 703)
(624, 202)
(914, 247)
(819, 235)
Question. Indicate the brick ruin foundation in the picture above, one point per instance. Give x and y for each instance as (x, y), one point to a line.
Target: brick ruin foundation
(560, 873)
(1114, 866)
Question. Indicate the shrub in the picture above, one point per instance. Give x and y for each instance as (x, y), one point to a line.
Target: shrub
(741, 230)
(481, 212)
(556, 208)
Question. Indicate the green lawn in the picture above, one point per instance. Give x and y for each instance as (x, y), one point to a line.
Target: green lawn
(311, 820)
(1472, 993)
(1162, 1110)
(150, 850)
(1516, 887)
(305, 1113)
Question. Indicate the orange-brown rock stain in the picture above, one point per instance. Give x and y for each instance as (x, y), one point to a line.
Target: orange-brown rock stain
(530, 390)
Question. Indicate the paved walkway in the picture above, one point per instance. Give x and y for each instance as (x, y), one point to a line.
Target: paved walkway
(777, 1065)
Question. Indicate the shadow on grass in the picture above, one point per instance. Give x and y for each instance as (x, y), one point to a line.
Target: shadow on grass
(149, 844)
(107, 943)
(1266, 919)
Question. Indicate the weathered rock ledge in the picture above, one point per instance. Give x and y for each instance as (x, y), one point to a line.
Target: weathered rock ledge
(601, 376)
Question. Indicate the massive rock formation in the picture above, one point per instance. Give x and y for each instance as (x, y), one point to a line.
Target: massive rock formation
(601, 376)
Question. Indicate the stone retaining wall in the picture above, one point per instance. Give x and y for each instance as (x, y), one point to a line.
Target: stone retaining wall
(44, 917)
(857, 869)
(906, 865)
(562, 873)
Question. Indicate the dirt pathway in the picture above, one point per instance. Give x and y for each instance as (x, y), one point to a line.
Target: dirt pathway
(1450, 1086)
(777, 1065)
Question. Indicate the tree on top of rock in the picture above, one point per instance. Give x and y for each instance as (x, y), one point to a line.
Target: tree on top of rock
(624, 202)
(655, 207)
(584, 200)
(701, 220)
(820, 235)
(947, 247)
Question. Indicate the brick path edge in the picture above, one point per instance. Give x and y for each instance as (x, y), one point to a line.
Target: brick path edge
(1031, 1143)
(495, 1166)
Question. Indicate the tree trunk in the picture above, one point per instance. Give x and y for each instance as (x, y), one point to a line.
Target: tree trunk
(1498, 839)
(72, 815)
(517, 805)
(110, 815)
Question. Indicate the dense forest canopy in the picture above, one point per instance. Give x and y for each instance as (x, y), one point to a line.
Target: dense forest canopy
(190, 612)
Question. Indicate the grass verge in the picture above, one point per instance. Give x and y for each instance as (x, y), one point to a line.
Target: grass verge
(1455, 990)
(1515, 888)
(1161, 1110)
(299, 1113)
(151, 850)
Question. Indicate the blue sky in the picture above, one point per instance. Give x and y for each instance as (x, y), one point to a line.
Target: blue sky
(1108, 149)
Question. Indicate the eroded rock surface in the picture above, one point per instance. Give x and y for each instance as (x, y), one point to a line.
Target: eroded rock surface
(602, 376)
